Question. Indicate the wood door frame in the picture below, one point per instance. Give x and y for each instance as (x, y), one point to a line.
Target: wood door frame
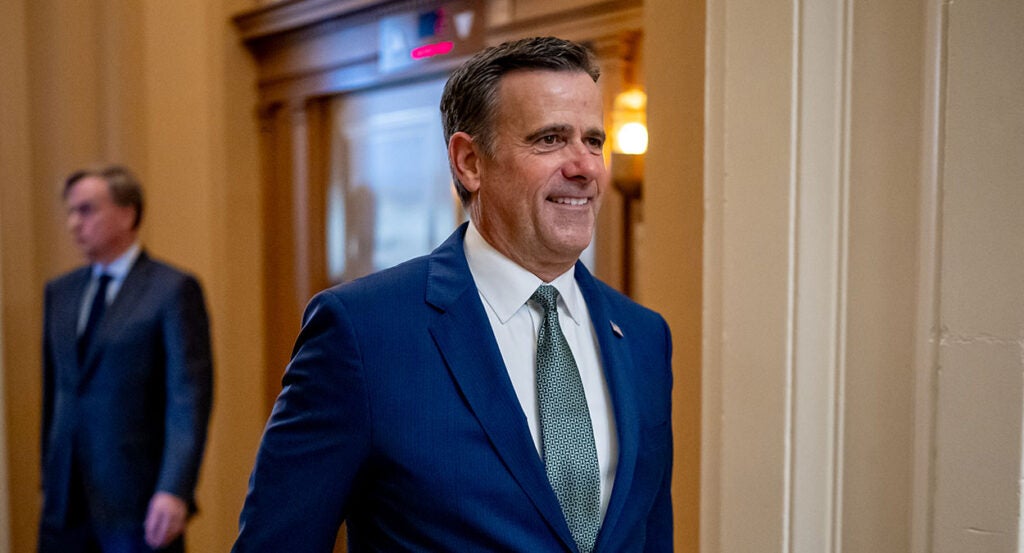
(308, 51)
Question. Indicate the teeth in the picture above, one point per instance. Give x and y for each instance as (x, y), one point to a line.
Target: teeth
(570, 201)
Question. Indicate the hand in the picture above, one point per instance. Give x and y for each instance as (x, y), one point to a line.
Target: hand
(165, 519)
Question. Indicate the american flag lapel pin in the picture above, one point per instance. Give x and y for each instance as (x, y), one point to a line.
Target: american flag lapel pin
(616, 329)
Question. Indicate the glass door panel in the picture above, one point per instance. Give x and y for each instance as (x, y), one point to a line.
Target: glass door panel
(390, 196)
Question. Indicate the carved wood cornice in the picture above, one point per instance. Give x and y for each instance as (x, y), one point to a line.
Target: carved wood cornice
(593, 23)
(289, 15)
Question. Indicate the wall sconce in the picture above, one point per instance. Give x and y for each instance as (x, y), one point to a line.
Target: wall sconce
(629, 141)
(629, 117)
(629, 144)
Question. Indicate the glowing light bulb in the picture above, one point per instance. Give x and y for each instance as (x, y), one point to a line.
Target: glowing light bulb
(632, 138)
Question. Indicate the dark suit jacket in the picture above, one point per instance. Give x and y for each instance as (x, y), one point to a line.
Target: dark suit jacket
(398, 415)
(135, 415)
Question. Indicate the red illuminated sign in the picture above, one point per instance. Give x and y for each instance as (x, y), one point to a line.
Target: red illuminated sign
(431, 50)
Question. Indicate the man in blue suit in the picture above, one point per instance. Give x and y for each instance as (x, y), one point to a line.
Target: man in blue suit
(493, 395)
(127, 383)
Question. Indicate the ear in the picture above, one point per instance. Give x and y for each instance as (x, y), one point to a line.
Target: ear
(465, 160)
(126, 217)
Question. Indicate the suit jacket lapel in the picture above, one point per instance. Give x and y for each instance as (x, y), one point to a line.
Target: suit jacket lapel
(618, 371)
(476, 365)
(66, 310)
(129, 295)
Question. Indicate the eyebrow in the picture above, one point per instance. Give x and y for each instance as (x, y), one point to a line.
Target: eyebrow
(550, 129)
(563, 129)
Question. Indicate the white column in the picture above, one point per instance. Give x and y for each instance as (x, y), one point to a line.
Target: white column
(813, 132)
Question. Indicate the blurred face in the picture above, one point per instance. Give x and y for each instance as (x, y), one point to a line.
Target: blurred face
(538, 196)
(101, 229)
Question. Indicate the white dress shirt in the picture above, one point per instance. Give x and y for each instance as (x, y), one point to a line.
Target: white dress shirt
(118, 270)
(505, 289)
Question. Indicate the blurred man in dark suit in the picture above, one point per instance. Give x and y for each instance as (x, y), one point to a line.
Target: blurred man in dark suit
(127, 383)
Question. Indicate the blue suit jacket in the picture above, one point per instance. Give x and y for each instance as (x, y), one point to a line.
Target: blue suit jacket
(398, 416)
(135, 414)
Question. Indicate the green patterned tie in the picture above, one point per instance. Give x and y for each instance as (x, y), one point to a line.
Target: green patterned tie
(567, 436)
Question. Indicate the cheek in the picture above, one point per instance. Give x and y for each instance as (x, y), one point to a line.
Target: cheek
(104, 227)
(513, 189)
(603, 188)
(124, 220)
(521, 186)
(533, 184)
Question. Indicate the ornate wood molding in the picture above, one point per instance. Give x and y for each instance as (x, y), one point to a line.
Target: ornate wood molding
(594, 23)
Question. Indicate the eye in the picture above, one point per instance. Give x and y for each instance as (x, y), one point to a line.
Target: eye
(550, 139)
(594, 143)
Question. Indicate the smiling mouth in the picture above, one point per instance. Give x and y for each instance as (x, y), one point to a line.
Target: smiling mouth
(571, 201)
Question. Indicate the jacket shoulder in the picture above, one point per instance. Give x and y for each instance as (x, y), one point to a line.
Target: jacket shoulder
(70, 278)
(406, 277)
(163, 270)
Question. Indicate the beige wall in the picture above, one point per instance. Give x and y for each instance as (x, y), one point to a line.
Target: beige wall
(975, 356)
(863, 287)
(669, 242)
(167, 88)
(20, 296)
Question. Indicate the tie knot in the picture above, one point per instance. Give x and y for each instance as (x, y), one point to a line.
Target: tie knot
(547, 296)
(103, 283)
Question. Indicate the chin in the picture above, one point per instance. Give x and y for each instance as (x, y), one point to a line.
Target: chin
(568, 240)
(571, 249)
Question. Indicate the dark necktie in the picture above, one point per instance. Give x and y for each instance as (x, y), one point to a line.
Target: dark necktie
(567, 437)
(99, 304)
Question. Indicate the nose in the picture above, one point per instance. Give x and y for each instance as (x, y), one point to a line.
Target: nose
(583, 163)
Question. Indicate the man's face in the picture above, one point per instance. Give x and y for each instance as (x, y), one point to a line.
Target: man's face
(540, 192)
(102, 230)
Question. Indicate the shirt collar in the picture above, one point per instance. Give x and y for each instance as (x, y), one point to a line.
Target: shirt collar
(505, 286)
(118, 268)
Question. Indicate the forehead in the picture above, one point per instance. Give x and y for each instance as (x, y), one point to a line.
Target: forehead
(537, 97)
(89, 188)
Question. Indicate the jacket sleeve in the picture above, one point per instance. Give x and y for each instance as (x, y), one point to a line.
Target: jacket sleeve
(189, 388)
(48, 383)
(315, 443)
